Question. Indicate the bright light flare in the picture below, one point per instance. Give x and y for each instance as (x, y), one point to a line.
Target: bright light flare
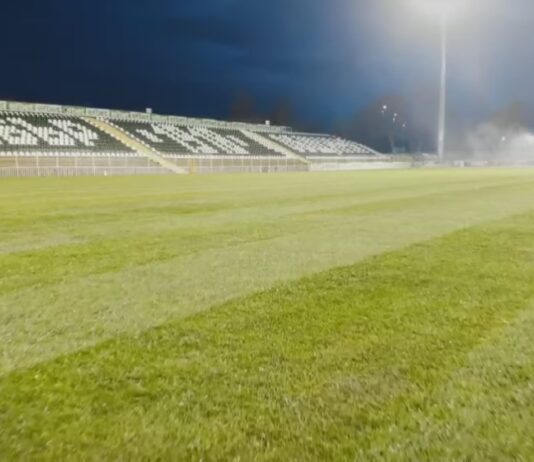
(439, 9)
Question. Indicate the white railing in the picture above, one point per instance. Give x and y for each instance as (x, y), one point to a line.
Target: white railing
(80, 171)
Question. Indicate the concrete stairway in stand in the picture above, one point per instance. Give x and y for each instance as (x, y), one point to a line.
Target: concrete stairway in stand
(132, 143)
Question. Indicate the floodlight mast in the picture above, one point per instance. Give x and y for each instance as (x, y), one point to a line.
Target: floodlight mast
(443, 88)
(442, 10)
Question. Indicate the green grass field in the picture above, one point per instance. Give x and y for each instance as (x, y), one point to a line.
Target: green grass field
(339, 316)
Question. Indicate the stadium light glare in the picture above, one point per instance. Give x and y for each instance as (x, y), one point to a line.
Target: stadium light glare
(441, 10)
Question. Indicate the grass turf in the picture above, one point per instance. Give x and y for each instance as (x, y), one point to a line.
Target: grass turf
(417, 353)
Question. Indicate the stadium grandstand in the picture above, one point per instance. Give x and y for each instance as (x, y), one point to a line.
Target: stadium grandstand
(43, 140)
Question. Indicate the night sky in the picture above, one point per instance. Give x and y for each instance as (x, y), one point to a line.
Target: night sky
(330, 58)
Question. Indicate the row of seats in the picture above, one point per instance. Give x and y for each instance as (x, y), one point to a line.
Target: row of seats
(57, 135)
(309, 145)
(54, 134)
(175, 140)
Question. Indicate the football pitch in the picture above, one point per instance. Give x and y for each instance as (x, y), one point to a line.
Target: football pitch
(383, 315)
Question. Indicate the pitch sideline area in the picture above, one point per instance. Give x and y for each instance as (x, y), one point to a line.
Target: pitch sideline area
(201, 317)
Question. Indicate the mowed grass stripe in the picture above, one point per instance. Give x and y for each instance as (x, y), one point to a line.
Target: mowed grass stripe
(53, 264)
(492, 395)
(130, 274)
(377, 360)
(95, 201)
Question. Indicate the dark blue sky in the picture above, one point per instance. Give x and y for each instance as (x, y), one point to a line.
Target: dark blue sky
(330, 57)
